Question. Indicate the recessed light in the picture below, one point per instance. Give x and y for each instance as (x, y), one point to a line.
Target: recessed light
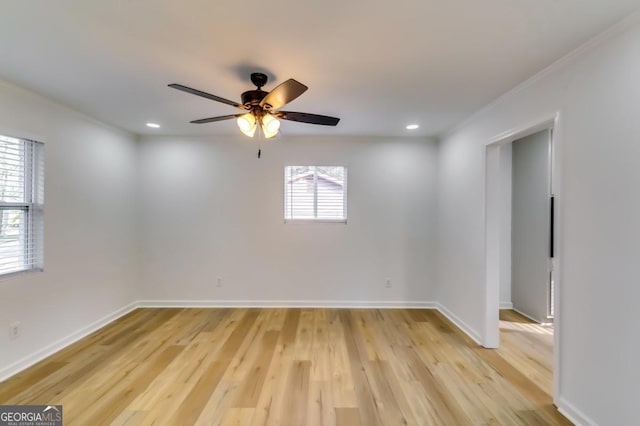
(153, 125)
(412, 126)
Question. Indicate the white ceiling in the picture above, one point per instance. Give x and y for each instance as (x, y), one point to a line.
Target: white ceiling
(377, 64)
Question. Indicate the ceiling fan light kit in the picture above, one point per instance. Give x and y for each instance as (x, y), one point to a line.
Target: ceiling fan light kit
(248, 124)
(262, 109)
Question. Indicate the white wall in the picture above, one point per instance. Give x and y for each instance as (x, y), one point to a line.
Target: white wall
(597, 93)
(90, 264)
(212, 209)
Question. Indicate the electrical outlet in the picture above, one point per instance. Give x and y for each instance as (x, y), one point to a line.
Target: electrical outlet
(219, 284)
(14, 330)
(387, 283)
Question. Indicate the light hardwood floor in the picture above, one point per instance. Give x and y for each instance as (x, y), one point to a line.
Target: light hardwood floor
(294, 367)
(528, 347)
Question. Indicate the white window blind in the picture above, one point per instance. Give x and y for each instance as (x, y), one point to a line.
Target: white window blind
(315, 193)
(21, 205)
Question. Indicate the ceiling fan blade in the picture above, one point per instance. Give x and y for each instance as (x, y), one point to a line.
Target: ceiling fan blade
(283, 94)
(304, 117)
(205, 95)
(213, 119)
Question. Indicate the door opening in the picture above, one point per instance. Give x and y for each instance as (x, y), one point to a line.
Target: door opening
(522, 245)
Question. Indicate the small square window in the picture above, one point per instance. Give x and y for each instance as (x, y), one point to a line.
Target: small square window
(315, 193)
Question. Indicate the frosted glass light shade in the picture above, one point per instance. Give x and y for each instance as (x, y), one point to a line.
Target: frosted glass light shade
(270, 126)
(247, 124)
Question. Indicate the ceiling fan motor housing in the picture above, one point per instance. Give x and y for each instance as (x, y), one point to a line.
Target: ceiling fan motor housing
(253, 97)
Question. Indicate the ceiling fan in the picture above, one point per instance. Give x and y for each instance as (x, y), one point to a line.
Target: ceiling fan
(262, 109)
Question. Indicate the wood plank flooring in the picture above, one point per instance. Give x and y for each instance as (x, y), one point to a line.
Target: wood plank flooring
(528, 347)
(295, 367)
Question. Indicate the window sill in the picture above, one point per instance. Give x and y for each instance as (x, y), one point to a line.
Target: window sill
(16, 274)
(294, 221)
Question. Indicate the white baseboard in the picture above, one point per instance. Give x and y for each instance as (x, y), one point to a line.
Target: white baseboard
(576, 416)
(60, 344)
(469, 331)
(355, 304)
(506, 305)
(532, 318)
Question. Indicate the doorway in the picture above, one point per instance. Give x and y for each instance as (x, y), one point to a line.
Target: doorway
(504, 266)
(526, 329)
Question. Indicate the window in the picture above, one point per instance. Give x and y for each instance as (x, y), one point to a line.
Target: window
(21, 205)
(315, 193)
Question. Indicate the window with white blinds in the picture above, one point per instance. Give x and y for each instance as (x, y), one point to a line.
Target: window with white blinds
(21, 205)
(315, 193)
